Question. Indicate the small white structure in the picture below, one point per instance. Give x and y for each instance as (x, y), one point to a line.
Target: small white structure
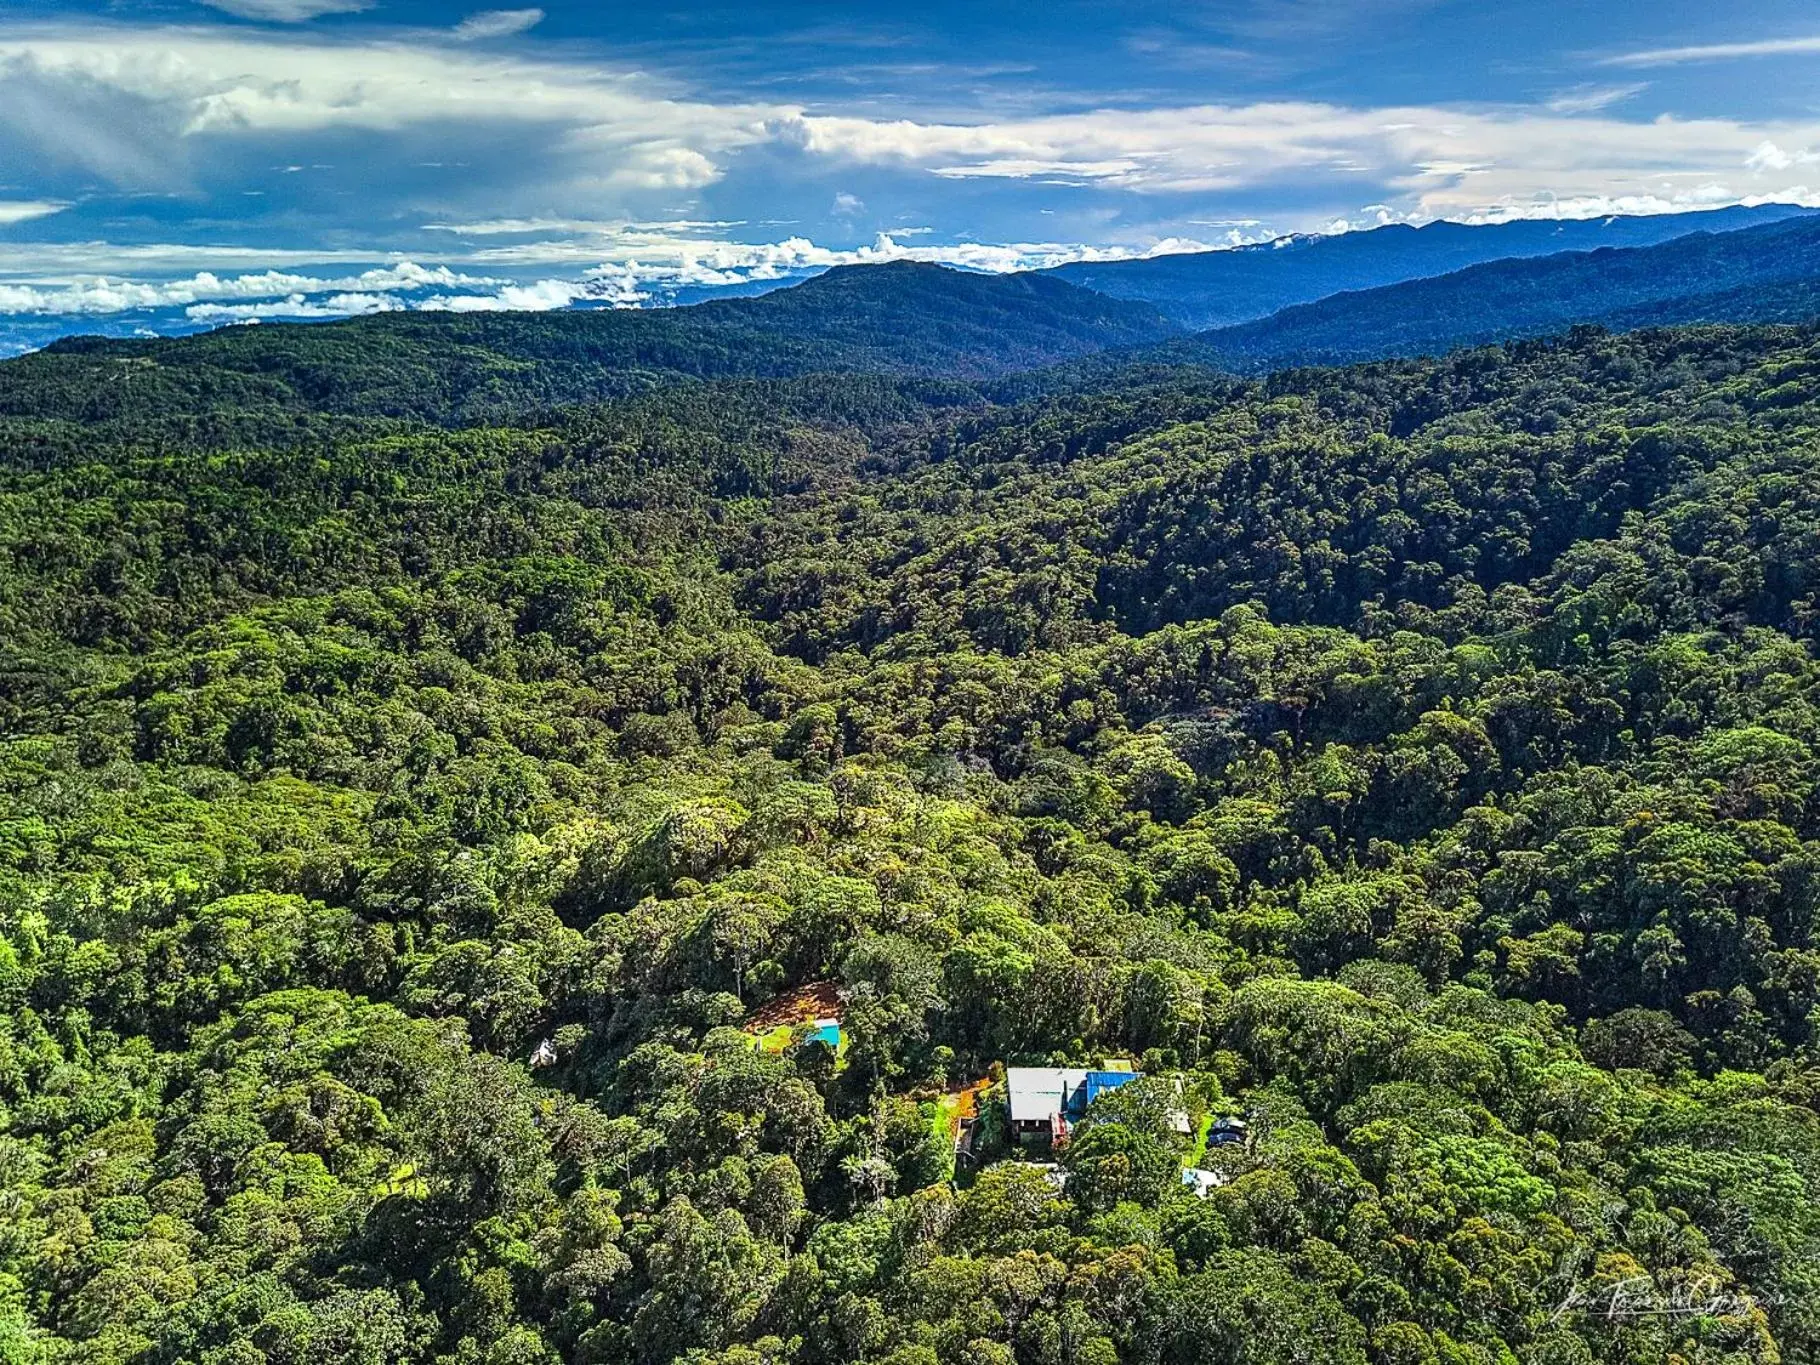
(1202, 1182)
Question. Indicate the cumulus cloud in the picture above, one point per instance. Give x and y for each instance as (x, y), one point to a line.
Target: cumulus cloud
(540, 296)
(665, 257)
(1770, 157)
(102, 295)
(288, 11)
(655, 168)
(497, 23)
(297, 307)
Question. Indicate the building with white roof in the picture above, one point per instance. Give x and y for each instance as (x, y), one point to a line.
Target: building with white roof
(1044, 1100)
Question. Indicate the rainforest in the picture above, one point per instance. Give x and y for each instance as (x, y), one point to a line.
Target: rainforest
(543, 840)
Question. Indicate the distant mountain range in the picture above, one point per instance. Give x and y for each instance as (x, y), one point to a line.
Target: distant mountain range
(908, 319)
(1769, 273)
(900, 319)
(1207, 289)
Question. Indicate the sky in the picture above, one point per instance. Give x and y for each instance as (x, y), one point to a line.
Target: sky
(180, 163)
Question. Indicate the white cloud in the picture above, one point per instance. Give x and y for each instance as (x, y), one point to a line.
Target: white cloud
(102, 295)
(846, 205)
(542, 296)
(297, 306)
(497, 23)
(1716, 52)
(643, 259)
(1590, 99)
(679, 253)
(655, 168)
(24, 210)
(1769, 157)
(1441, 162)
(587, 132)
(288, 11)
(1696, 199)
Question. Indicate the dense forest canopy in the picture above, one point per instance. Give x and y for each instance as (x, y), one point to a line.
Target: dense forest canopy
(408, 821)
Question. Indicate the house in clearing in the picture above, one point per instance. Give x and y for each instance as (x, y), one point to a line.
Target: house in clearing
(1047, 1101)
(1044, 1101)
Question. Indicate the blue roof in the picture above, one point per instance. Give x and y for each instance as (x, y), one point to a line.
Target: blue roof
(828, 1035)
(1095, 1084)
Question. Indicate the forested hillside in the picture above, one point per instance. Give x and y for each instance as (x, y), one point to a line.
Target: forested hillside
(1203, 289)
(900, 318)
(1762, 274)
(402, 822)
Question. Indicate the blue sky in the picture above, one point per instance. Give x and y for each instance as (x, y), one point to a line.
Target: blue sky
(167, 162)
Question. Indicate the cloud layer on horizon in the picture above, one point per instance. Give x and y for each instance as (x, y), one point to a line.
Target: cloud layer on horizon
(627, 266)
(156, 154)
